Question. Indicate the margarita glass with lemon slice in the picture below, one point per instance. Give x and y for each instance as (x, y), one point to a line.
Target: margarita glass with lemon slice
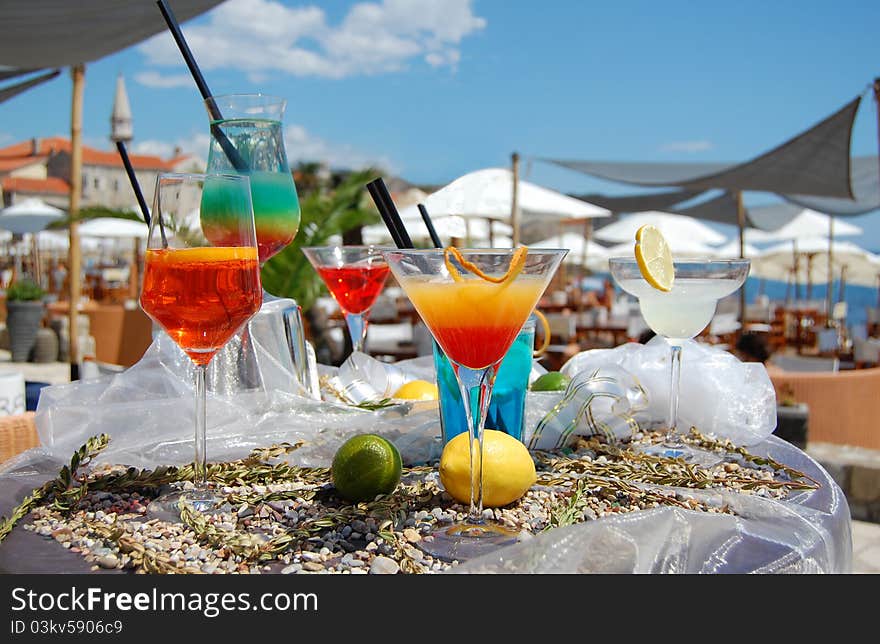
(677, 298)
(474, 303)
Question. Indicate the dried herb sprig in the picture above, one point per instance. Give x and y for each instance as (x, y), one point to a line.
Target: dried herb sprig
(373, 405)
(58, 489)
(726, 445)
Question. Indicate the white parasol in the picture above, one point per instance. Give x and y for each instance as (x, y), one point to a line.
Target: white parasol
(581, 251)
(29, 216)
(675, 228)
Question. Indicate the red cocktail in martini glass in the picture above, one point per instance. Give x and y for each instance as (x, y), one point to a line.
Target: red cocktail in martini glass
(354, 275)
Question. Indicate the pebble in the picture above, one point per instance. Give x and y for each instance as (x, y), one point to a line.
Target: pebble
(108, 561)
(344, 546)
(384, 566)
(412, 535)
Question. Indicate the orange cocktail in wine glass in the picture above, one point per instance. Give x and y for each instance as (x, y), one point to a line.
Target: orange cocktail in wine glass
(474, 302)
(201, 285)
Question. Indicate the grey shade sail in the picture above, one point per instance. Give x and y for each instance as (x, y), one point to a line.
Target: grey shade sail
(640, 203)
(14, 90)
(8, 72)
(57, 33)
(815, 163)
(721, 209)
(866, 189)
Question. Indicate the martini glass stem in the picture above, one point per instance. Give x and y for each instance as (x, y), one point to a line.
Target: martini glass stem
(357, 329)
(476, 391)
(673, 438)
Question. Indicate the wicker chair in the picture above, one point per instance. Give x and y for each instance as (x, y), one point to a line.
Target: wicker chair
(17, 434)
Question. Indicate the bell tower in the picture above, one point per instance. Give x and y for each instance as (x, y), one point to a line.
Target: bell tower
(120, 120)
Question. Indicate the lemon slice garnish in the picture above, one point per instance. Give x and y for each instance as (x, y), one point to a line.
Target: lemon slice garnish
(654, 258)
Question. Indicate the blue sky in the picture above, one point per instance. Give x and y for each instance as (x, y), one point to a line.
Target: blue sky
(433, 89)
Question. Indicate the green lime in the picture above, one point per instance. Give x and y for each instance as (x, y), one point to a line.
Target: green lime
(551, 381)
(365, 466)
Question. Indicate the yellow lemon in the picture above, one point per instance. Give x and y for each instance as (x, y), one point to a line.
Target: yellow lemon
(365, 466)
(417, 390)
(508, 468)
(654, 258)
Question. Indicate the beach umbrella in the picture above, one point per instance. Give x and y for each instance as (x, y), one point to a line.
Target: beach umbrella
(674, 227)
(446, 227)
(581, 251)
(489, 194)
(679, 246)
(731, 249)
(114, 227)
(807, 223)
(29, 216)
(474, 231)
(117, 228)
(776, 262)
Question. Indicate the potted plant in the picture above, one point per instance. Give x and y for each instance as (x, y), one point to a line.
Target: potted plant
(24, 315)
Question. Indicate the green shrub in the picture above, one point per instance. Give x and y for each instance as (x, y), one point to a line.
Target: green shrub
(24, 290)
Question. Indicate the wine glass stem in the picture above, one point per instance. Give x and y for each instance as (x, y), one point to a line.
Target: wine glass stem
(476, 391)
(672, 437)
(200, 467)
(357, 329)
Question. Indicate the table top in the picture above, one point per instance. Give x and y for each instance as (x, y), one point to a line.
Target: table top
(806, 530)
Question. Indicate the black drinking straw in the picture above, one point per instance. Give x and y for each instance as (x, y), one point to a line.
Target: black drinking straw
(231, 153)
(382, 198)
(129, 170)
(435, 239)
(120, 145)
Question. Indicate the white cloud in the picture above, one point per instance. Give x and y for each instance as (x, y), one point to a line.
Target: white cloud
(303, 146)
(689, 147)
(196, 145)
(261, 36)
(298, 142)
(155, 79)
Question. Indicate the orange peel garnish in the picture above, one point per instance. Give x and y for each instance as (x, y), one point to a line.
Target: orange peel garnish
(546, 342)
(517, 262)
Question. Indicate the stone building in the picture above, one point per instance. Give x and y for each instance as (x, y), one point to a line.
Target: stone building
(41, 168)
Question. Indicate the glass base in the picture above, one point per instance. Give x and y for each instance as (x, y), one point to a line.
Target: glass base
(692, 455)
(463, 541)
(167, 506)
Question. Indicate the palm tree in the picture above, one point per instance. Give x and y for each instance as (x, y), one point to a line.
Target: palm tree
(324, 214)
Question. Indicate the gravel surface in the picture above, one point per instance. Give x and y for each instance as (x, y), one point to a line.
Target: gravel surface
(302, 527)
